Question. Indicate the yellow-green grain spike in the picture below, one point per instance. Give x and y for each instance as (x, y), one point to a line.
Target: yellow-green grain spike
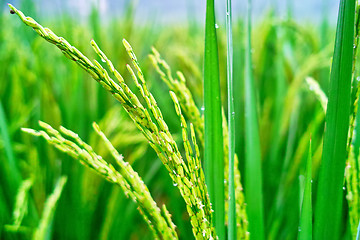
(130, 182)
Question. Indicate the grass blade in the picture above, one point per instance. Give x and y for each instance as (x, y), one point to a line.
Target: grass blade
(9, 166)
(49, 210)
(253, 176)
(305, 228)
(231, 122)
(214, 159)
(328, 210)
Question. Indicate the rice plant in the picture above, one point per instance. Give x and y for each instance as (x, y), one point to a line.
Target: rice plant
(186, 125)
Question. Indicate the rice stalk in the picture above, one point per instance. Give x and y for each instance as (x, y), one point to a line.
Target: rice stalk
(352, 176)
(355, 80)
(192, 113)
(305, 226)
(185, 97)
(150, 123)
(352, 169)
(129, 181)
(44, 226)
(240, 204)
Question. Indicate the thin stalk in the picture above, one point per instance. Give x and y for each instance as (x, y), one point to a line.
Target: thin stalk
(44, 227)
(214, 159)
(328, 211)
(253, 176)
(305, 228)
(231, 122)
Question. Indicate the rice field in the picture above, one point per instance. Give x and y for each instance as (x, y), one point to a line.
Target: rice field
(239, 128)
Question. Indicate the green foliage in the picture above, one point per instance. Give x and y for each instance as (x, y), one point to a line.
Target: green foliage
(133, 186)
(188, 177)
(331, 176)
(352, 185)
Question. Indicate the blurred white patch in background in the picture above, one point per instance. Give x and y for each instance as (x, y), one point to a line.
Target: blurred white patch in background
(179, 11)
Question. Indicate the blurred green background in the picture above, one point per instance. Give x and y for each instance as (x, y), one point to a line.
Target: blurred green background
(39, 83)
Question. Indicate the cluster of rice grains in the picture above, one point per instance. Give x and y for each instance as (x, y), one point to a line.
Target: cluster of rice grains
(192, 113)
(129, 181)
(187, 175)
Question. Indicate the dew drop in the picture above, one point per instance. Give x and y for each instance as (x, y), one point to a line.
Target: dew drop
(103, 60)
(175, 184)
(344, 188)
(216, 25)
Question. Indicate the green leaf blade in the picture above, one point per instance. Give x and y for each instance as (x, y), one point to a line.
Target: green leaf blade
(214, 159)
(330, 192)
(253, 173)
